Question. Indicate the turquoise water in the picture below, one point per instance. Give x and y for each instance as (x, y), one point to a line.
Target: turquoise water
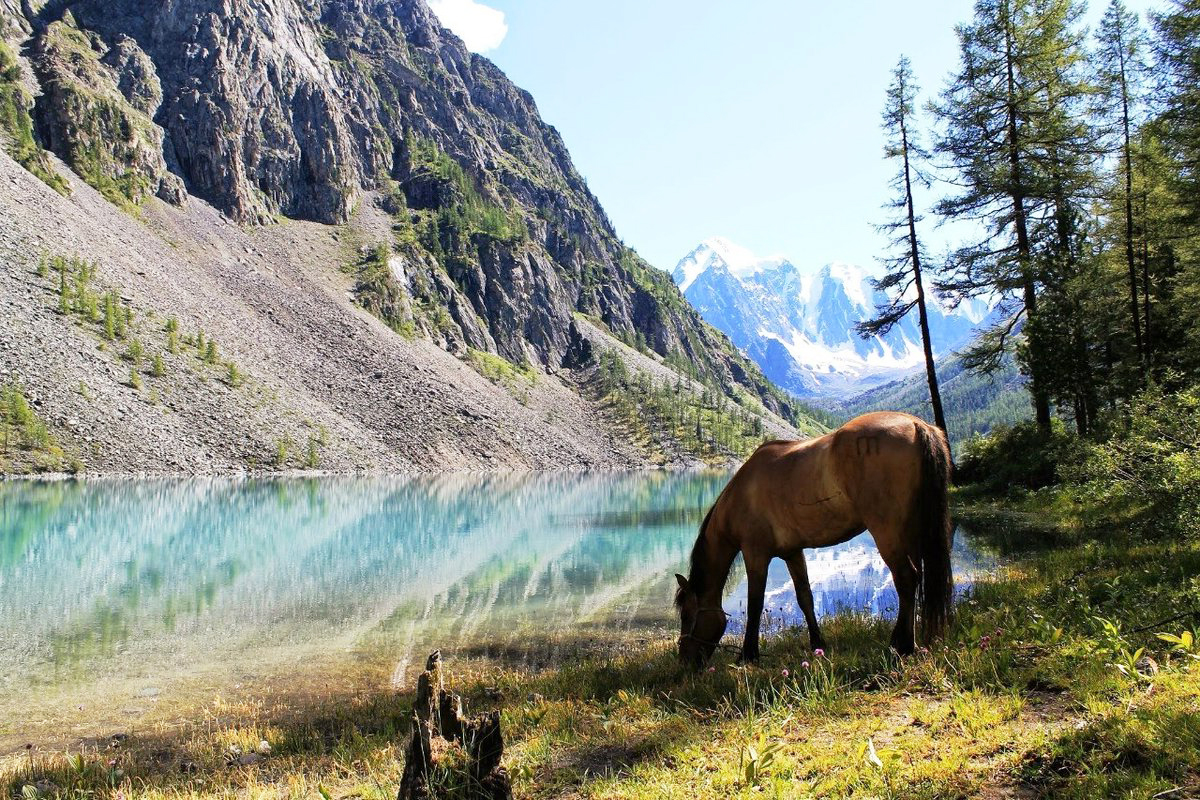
(114, 591)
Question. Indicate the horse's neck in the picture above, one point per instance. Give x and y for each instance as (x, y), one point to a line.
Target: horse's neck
(718, 563)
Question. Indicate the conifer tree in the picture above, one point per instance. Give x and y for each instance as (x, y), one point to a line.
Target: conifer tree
(1121, 41)
(904, 268)
(1177, 56)
(1005, 133)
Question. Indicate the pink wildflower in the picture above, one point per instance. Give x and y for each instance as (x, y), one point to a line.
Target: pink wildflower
(712, 669)
(819, 653)
(785, 673)
(804, 664)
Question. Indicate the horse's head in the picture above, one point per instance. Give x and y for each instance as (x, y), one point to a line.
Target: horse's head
(700, 627)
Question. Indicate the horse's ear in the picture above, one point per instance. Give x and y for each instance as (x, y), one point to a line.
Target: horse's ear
(683, 584)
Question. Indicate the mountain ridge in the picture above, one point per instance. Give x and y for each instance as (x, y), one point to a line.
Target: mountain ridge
(445, 207)
(797, 323)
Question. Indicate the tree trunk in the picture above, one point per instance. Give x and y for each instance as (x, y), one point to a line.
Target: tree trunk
(1041, 401)
(438, 725)
(935, 395)
(1133, 289)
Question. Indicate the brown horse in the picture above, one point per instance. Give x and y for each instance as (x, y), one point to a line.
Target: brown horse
(884, 472)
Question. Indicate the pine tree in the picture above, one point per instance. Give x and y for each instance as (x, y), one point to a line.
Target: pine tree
(1004, 133)
(1120, 42)
(110, 317)
(1177, 57)
(904, 269)
(64, 294)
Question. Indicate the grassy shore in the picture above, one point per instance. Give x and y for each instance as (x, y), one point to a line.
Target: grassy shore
(1053, 682)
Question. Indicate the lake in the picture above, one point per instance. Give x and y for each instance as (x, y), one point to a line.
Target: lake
(117, 596)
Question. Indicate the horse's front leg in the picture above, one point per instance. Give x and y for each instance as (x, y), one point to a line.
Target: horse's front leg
(756, 585)
(804, 598)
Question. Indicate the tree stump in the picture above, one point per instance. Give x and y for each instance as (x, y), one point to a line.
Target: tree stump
(450, 755)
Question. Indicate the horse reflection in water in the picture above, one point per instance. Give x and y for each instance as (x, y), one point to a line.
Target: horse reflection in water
(885, 472)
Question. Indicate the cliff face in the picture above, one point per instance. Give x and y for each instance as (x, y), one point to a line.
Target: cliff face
(324, 110)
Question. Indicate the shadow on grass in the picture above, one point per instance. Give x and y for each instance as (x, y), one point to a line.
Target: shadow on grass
(611, 703)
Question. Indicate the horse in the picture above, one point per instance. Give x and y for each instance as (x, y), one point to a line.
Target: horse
(885, 472)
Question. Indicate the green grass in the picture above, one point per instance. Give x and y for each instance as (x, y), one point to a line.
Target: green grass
(1039, 690)
(517, 378)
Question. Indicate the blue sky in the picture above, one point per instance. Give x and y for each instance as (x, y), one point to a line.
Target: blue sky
(757, 121)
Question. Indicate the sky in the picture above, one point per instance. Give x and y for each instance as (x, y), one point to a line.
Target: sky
(756, 121)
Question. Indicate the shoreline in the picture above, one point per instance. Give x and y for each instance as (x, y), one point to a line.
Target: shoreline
(86, 476)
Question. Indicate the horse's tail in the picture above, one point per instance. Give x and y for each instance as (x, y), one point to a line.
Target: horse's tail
(932, 514)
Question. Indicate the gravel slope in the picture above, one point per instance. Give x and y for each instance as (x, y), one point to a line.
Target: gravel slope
(276, 301)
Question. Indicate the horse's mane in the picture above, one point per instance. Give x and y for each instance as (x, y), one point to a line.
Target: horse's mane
(698, 573)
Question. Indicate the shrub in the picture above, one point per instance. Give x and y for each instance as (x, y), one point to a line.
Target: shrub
(157, 368)
(135, 352)
(210, 352)
(281, 451)
(1018, 457)
(1153, 462)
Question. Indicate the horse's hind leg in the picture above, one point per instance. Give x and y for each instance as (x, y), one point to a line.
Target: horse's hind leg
(902, 565)
(799, 569)
(756, 589)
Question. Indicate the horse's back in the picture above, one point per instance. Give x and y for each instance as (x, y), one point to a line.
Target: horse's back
(878, 460)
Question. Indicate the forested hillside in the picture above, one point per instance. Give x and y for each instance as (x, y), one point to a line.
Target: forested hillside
(975, 403)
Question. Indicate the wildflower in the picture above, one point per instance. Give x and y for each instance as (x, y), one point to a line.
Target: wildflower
(785, 673)
(924, 651)
(712, 669)
(819, 653)
(804, 664)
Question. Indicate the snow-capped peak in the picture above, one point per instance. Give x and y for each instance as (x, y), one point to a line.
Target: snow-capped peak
(717, 252)
(855, 281)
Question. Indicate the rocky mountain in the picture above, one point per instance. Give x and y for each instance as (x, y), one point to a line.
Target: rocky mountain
(372, 219)
(797, 323)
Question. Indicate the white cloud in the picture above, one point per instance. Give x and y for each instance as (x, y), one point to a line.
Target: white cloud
(481, 27)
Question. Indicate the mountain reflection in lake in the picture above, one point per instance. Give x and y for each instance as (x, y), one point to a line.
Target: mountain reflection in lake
(140, 582)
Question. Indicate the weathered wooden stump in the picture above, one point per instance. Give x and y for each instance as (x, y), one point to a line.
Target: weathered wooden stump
(450, 755)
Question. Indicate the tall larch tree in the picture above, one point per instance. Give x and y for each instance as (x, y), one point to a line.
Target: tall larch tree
(1003, 138)
(1119, 66)
(903, 279)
